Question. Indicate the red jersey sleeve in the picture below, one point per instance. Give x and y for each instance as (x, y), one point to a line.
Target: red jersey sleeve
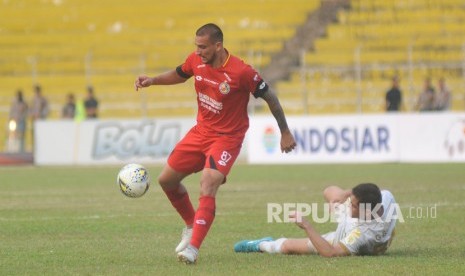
(186, 70)
(253, 82)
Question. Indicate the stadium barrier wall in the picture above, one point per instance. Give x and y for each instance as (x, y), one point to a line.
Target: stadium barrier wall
(104, 142)
(421, 137)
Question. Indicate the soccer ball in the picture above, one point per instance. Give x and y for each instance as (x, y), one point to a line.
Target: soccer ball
(133, 180)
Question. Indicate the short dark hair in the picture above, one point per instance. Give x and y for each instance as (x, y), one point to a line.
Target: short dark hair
(90, 89)
(367, 193)
(212, 30)
(37, 88)
(19, 95)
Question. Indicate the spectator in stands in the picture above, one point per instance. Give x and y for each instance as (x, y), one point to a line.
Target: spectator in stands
(443, 99)
(394, 96)
(18, 118)
(39, 106)
(426, 100)
(91, 104)
(69, 109)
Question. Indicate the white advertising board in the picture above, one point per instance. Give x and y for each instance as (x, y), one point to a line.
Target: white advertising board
(432, 137)
(107, 141)
(425, 137)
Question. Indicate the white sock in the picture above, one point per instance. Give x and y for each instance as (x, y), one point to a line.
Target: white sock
(272, 246)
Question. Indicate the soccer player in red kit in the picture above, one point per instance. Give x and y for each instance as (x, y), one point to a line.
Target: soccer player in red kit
(223, 84)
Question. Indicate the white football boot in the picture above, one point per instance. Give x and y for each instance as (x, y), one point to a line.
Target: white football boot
(185, 239)
(188, 255)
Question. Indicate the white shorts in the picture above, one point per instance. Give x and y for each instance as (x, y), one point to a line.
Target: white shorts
(329, 237)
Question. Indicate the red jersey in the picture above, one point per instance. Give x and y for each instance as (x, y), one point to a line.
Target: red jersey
(223, 93)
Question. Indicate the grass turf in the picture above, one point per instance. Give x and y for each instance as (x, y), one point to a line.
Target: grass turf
(68, 221)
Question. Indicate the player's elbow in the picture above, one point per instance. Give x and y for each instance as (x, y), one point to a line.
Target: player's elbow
(334, 251)
(326, 255)
(331, 254)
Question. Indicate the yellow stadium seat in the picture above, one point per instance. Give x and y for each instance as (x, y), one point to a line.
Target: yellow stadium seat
(375, 40)
(67, 45)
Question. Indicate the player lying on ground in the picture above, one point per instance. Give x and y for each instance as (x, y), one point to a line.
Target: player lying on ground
(360, 230)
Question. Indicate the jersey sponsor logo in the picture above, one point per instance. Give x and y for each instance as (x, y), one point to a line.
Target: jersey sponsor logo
(201, 66)
(353, 236)
(224, 158)
(210, 81)
(209, 103)
(224, 88)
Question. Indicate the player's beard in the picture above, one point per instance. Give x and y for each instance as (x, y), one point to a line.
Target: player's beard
(206, 60)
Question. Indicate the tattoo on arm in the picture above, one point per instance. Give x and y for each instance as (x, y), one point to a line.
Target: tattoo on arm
(275, 107)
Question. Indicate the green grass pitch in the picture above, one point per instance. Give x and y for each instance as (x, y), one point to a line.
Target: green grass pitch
(75, 221)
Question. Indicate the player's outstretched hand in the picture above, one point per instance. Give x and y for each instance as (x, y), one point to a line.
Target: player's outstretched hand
(142, 81)
(299, 221)
(287, 141)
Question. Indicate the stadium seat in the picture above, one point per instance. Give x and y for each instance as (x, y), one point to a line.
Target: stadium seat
(375, 40)
(67, 45)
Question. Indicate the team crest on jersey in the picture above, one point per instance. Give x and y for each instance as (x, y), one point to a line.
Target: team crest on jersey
(224, 88)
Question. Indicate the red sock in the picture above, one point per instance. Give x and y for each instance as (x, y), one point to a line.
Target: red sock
(203, 220)
(182, 204)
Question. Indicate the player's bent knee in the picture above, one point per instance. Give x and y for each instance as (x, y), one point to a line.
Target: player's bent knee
(163, 183)
(209, 189)
(210, 182)
(170, 179)
(167, 182)
(286, 248)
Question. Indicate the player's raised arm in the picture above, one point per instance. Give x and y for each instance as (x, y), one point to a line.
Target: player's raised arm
(287, 139)
(167, 78)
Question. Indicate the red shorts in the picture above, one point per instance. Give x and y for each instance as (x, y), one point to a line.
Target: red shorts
(198, 150)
